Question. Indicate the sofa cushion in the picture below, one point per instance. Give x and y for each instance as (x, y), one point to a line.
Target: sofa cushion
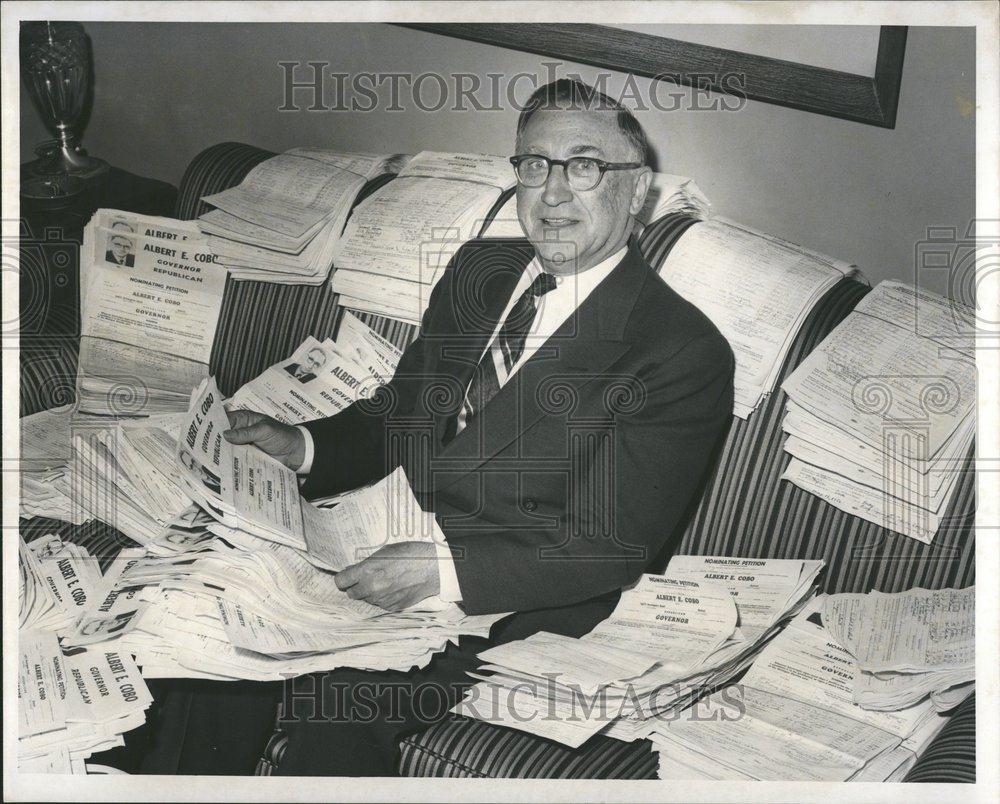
(471, 748)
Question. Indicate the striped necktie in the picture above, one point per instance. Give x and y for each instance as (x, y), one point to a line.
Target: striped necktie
(502, 355)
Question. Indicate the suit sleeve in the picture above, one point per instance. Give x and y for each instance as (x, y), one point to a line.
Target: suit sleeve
(600, 541)
(350, 447)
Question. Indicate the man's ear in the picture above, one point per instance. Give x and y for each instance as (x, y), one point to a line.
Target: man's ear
(642, 184)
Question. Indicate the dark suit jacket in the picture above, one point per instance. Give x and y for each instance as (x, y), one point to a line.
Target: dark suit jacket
(129, 261)
(291, 368)
(575, 476)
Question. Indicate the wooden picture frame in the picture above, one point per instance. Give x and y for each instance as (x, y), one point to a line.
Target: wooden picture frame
(864, 99)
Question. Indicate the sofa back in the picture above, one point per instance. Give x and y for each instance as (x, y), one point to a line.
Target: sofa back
(746, 510)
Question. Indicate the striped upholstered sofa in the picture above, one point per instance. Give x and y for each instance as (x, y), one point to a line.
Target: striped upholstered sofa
(745, 509)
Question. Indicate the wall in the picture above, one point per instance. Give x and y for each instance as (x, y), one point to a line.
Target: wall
(165, 91)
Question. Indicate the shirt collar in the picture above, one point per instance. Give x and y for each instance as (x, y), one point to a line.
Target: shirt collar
(584, 281)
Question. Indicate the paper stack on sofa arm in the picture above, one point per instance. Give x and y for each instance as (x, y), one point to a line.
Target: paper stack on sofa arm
(757, 289)
(282, 223)
(881, 415)
(793, 717)
(671, 639)
(908, 646)
(399, 240)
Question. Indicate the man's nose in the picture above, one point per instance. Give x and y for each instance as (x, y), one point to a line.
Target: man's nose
(557, 189)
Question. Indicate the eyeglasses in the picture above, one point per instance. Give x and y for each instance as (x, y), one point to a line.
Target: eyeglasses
(582, 172)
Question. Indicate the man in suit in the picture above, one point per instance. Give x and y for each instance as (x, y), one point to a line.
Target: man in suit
(305, 371)
(557, 414)
(209, 479)
(121, 249)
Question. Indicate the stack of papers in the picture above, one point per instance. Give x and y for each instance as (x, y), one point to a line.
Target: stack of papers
(671, 639)
(43, 468)
(282, 223)
(125, 474)
(73, 703)
(667, 193)
(321, 378)
(54, 575)
(48, 494)
(793, 718)
(400, 239)
(76, 467)
(242, 586)
(261, 611)
(64, 592)
(908, 646)
(254, 498)
(757, 289)
(151, 291)
(881, 415)
(73, 699)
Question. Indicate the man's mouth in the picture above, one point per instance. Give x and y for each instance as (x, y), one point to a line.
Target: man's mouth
(557, 223)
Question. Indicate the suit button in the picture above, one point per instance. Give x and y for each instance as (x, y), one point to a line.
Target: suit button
(530, 505)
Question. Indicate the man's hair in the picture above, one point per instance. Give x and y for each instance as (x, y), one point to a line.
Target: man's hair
(567, 94)
(122, 225)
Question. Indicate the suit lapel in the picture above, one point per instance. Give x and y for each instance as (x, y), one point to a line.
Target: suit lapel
(481, 286)
(587, 344)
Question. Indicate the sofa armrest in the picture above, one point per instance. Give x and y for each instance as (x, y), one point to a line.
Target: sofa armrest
(951, 756)
(215, 169)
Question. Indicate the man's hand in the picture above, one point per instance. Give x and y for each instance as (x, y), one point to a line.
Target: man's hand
(281, 441)
(394, 577)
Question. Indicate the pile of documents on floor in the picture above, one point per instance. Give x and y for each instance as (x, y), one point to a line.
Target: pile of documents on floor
(907, 646)
(282, 223)
(400, 238)
(794, 715)
(881, 415)
(151, 291)
(77, 698)
(667, 193)
(322, 377)
(671, 639)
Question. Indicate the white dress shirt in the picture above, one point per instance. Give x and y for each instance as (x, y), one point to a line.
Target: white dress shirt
(552, 311)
